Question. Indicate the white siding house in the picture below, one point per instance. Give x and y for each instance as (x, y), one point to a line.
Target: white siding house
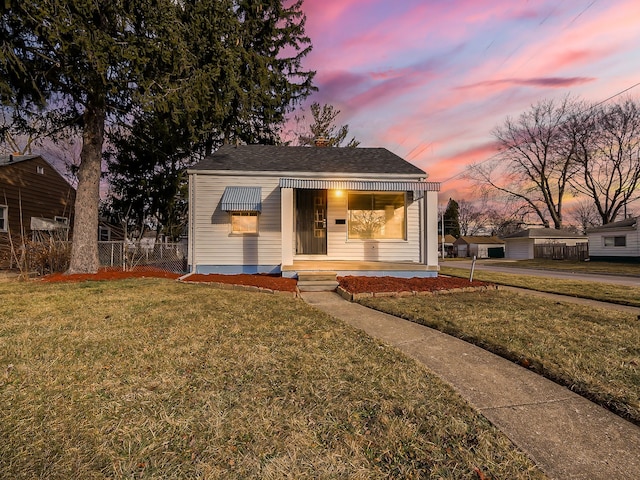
(270, 209)
(615, 241)
(521, 245)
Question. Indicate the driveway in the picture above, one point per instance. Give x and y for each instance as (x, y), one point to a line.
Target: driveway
(588, 277)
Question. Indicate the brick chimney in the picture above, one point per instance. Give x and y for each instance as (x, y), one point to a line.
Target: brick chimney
(321, 142)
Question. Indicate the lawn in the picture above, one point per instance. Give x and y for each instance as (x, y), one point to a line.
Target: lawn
(606, 292)
(150, 378)
(613, 268)
(594, 352)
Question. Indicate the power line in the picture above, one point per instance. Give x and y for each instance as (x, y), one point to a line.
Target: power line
(495, 155)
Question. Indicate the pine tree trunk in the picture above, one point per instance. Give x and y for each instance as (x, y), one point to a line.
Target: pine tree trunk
(84, 248)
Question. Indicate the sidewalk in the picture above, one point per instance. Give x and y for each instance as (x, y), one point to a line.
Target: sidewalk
(568, 436)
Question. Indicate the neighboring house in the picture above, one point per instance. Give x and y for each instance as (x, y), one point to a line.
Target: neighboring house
(617, 241)
(521, 245)
(446, 243)
(480, 247)
(34, 198)
(276, 209)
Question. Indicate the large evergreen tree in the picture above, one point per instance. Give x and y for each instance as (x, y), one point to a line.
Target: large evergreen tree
(451, 219)
(89, 61)
(246, 74)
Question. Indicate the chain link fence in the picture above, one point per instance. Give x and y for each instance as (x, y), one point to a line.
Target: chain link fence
(171, 257)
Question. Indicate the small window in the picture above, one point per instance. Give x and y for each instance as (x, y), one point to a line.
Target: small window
(4, 222)
(244, 223)
(104, 234)
(619, 241)
(63, 220)
(40, 170)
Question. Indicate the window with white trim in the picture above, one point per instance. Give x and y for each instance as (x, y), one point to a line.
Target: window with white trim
(4, 221)
(617, 241)
(243, 223)
(377, 215)
(63, 220)
(104, 234)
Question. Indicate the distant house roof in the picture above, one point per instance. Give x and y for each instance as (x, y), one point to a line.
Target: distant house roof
(544, 233)
(626, 224)
(11, 159)
(269, 158)
(479, 241)
(447, 239)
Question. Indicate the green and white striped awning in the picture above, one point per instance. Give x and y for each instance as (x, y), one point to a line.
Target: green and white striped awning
(385, 186)
(241, 199)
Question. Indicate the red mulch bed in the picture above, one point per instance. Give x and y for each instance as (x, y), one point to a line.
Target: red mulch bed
(112, 274)
(354, 284)
(272, 282)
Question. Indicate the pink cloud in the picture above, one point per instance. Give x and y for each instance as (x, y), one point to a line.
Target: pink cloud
(549, 82)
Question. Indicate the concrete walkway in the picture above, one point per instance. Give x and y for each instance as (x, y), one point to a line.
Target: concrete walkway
(567, 436)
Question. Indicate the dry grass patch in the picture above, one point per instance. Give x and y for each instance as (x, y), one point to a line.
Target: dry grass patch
(156, 379)
(605, 292)
(614, 268)
(595, 352)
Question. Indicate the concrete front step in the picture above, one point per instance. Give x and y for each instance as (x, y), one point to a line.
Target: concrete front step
(317, 287)
(317, 281)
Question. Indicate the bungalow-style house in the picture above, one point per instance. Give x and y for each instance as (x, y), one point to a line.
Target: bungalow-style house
(616, 241)
(522, 245)
(34, 198)
(278, 209)
(479, 247)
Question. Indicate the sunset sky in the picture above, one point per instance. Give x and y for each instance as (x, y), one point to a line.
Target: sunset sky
(430, 79)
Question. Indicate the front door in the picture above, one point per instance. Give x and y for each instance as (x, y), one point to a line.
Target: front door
(311, 222)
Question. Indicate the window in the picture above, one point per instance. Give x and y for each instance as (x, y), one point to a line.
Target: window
(377, 215)
(4, 222)
(40, 170)
(63, 220)
(104, 234)
(620, 241)
(244, 223)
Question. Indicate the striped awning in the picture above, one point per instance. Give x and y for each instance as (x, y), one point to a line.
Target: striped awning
(241, 199)
(386, 186)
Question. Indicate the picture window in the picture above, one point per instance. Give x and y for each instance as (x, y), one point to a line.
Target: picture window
(380, 215)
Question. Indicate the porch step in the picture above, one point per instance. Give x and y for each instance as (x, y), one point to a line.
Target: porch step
(317, 281)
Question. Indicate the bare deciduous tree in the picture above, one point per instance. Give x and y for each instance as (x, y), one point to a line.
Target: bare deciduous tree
(607, 157)
(534, 160)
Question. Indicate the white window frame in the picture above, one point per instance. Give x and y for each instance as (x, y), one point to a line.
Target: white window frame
(4, 218)
(102, 229)
(40, 170)
(243, 214)
(402, 237)
(64, 220)
(615, 241)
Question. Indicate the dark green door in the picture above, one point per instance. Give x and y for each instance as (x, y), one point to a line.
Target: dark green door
(311, 222)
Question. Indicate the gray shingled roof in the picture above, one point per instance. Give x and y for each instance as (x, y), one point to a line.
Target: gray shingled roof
(544, 233)
(626, 224)
(269, 158)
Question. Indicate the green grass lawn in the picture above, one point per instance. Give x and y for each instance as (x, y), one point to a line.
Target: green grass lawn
(606, 292)
(156, 379)
(595, 352)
